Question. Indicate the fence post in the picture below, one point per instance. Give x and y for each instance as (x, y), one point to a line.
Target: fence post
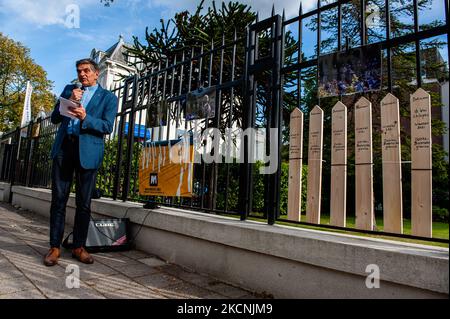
(247, 120)
(35, 149)
(315, 151)
(28, 153)
(392, 167)
(120, 142)
(274, 186)
(364, 210)
(13, 166)
(295, 165)
(130, 140)
(338, 189)
(421, 164)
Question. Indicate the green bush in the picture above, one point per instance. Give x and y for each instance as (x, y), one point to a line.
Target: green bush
(106, 173)
(258, 190)
(259, 181)
(285, 185)
(440, 214)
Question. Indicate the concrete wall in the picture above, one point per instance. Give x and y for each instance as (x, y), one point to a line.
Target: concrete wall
(5, 189)
(283, 261)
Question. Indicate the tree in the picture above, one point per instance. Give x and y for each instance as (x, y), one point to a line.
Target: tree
(16, 68)
(107, 3)
(189, 34)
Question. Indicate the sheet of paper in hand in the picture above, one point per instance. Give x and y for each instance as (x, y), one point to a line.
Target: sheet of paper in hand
(65, 105)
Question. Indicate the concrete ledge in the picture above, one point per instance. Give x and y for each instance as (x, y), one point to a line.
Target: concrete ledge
(5, 190)
(284, 261)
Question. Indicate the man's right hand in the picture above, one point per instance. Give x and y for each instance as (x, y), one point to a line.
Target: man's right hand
(76, 95)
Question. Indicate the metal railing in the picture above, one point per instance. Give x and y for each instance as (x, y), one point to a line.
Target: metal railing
(248, 75)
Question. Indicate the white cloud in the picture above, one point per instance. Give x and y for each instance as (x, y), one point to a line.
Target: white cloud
(53, 12)
(42, 12)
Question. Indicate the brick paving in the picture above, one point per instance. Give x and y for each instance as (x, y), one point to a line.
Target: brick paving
(119, 275)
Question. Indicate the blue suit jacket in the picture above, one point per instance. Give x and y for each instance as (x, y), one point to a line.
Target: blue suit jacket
(100, 114)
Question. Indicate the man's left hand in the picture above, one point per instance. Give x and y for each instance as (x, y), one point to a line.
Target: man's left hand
(78, 112)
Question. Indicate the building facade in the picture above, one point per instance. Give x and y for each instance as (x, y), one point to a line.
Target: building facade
(115, 64)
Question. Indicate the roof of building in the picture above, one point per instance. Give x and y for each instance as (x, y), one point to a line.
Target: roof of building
(117, 52)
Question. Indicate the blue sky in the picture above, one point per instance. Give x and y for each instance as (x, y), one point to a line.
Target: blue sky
(40, 25)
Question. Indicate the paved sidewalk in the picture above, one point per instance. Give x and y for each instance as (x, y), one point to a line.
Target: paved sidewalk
(132, 274)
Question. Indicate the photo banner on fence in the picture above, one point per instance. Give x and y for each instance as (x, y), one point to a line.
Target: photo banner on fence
(357, 70)
(157, 114)
(166, 168)
(201, 104)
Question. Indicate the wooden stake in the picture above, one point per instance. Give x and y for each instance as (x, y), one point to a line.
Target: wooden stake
(338, 193)
(295, 165)
(364, 209)
(392, 168)
(421, 164)
(314, 165)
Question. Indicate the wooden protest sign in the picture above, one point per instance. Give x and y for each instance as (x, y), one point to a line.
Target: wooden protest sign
(364, 207)
(421, 165)
(392, 168)
(315, 144)
(338, 165)
(295, 165)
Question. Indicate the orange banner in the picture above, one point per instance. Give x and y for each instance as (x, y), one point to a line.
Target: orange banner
(166, 169)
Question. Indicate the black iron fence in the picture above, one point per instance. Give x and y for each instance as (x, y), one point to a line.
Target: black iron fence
(257, 81)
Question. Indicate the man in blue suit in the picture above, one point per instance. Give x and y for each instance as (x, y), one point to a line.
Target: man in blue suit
(78, 148)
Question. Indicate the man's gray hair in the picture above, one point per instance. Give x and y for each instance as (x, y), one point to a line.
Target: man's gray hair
(94, 65)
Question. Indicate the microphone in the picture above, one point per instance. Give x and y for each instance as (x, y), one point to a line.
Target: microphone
(79, 85)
